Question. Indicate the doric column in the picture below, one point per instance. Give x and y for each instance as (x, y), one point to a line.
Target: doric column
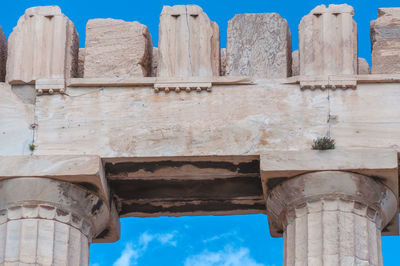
(331, 218)
(48, 222)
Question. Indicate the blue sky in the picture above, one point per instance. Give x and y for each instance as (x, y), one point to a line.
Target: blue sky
(198, 241)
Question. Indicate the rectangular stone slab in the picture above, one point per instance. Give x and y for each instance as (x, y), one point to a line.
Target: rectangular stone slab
(188, 43)
(328, 41)
(116, 48)
(259, 45)
(44, 44)
(385, 39)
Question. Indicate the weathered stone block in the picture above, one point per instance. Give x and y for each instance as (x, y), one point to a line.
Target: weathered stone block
(116, 48)
(223, 62)
(385, 42)
(44, 44)
(259, 45)
(154, 62)
(328, 41)
(295, 63)
(81, 63)
(188, 44)
(363, 67)
(3, 55)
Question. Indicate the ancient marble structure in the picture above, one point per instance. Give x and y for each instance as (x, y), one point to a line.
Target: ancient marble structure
(328, 41)
(48, 51)
(385, 33)
(188, 43)
(119, 128)
(115, 48)
(258, 45)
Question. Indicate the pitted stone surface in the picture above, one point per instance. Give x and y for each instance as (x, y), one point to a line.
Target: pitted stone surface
(328, 41)
(295, 63)
(116, 48)
(363, 67)
(44, 44)
(154, 62)
(223, 62)
(188, 43)
(259, 45)
(385, 41)
(81, 63)
(3, 55)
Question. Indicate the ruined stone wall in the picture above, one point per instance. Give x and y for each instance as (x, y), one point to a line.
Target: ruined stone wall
(248, 84)
(121, 128)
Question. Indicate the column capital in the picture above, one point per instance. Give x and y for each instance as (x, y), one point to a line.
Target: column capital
(49, 199)
(367, 177)
(331, 191)
(75, 185)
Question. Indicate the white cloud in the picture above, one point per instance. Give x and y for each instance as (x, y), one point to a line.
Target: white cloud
(128, 256)
(133, 251)
(226, 257)
(164, 239)
(167, 239)
(223, 236)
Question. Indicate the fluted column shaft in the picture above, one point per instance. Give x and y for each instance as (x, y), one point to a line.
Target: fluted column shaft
(332, 232)
(42, 242)
(47, 222)
(332, 218)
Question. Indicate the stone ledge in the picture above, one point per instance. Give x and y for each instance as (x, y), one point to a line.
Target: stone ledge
(360, 79)
(352, 80)
(150, 81)
(84, 171)
(379, 164)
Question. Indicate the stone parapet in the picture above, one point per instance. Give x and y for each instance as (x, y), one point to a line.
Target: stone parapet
(116, 48)
(44, 44)
(328, 41)
(3, 55)
(259, 45)
(385, 42)
(188, 43)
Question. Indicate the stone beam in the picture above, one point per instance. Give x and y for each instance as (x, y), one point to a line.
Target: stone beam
(186, 185)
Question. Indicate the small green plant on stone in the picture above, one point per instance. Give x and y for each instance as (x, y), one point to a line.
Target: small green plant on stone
(324, 143)
(32, 147)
